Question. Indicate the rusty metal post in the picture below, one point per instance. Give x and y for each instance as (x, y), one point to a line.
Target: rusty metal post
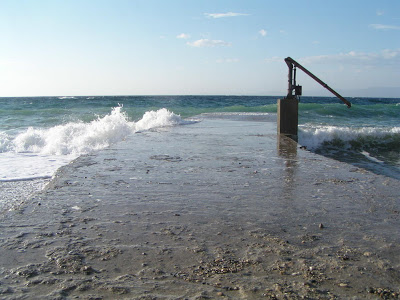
(290, 80)
(288, 113)
(291, 62)
(288, 108)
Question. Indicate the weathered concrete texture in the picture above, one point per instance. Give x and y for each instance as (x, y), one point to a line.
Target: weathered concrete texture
(217, 209)
(288, 116)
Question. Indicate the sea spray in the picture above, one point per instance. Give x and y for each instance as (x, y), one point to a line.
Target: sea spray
(80, 138)
(5, 142)
(160, 118)
(74, 137)
(372, 148)
(38, 152)
(349, 137)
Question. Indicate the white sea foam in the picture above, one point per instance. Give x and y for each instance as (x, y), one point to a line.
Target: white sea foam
(5, 142)
(370, 157)
(236, 114)
(159, 118)
(75, 137)
(29, 166)
(315, 137)
(66, 97)
(38, 153)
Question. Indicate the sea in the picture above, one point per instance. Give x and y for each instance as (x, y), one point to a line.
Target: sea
(38, 135)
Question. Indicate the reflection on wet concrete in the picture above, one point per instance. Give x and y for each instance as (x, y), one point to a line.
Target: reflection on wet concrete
(287, 149)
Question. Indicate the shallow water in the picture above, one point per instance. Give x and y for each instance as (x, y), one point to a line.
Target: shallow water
(15, 193)
(218, 207)
(40, 134)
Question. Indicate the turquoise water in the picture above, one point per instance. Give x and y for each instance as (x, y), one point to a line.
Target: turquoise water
(46, 111)
(53, 130)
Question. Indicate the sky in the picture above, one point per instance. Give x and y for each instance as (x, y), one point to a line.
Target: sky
(196, 47)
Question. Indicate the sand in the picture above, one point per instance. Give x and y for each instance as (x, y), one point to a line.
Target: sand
(220, 209)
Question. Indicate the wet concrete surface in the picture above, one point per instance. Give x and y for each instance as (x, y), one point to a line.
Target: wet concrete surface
(221, 208)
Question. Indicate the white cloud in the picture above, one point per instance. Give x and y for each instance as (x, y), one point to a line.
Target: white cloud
(380, 12)
(208, 43)
(389, 54)
(386, 56)
(183, 36)
(274, 59)
(384, 27)
(263, 32)
(224, 15)
(228, 60)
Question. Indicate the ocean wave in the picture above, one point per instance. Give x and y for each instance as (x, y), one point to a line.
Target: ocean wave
(66, 97)
(79, 137)
(349, 137)
(5, 142)
(154, 119)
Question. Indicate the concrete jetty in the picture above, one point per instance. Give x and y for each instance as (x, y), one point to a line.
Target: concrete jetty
(223, 208)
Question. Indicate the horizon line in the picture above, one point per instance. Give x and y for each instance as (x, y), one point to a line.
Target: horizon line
(185, 95)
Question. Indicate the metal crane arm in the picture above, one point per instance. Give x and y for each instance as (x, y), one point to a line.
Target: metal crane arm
(291, 62)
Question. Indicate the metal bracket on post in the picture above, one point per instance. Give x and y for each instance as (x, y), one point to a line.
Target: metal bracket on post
(288, 107)
(292, 81)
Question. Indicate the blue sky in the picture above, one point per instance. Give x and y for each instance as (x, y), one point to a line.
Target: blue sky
(138, 47)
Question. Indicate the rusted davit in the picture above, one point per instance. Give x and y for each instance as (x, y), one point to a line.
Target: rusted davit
(288, 107)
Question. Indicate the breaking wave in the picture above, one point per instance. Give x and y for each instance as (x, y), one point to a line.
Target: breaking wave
(79, 137)
(350, 138)
(374, 148)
